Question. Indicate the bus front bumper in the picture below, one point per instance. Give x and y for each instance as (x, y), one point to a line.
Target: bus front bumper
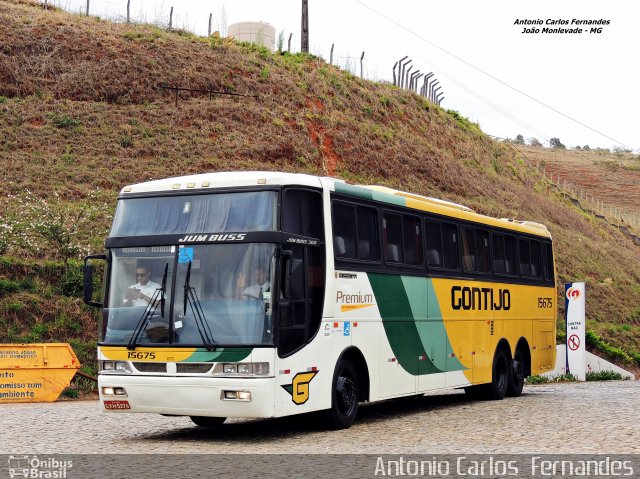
(188, 396)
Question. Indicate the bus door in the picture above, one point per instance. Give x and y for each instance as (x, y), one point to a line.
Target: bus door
(300, 358)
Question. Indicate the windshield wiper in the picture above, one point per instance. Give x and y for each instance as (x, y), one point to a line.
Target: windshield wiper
(191, 297)
(158, 298)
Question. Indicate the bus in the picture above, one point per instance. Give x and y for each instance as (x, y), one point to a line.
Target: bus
(266, 294)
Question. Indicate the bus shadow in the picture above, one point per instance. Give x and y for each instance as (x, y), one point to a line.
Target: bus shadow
(264, 430)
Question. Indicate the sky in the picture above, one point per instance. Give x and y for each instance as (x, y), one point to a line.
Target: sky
(579, 87)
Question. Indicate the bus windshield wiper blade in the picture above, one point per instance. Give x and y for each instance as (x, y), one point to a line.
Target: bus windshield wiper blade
(158, 298)
(191, 297)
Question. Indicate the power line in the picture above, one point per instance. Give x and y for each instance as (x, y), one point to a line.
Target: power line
(417, 35)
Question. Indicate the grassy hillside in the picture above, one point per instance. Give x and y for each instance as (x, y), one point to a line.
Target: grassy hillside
(81, 115)
(612, 178)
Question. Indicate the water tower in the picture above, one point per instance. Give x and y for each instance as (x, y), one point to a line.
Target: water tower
(260, 33)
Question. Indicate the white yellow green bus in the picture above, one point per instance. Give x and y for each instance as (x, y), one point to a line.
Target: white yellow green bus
(265, 294)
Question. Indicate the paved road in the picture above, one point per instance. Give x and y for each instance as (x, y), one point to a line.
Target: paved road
(581, 418)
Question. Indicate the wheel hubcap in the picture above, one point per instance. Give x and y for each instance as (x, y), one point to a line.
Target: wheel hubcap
(346, 394)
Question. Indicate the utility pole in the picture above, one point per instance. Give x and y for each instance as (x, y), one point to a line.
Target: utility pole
(305, 27)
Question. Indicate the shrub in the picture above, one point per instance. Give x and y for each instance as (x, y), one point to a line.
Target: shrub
(604, 376)
(65, 121)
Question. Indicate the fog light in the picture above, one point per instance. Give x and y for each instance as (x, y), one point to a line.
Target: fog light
(236, 395)
(119, 391)
(244, 396)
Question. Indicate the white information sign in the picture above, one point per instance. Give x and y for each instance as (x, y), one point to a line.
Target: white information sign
(575, 309)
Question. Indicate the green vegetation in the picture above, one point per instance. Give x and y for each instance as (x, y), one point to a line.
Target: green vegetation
(604, 376)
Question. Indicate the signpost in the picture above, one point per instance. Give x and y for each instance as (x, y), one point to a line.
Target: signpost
(575, 310)
(35, 372)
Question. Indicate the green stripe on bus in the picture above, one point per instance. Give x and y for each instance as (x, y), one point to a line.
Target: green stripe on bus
(431, 329)
(399, 323)
(367, 194)
(230, 355)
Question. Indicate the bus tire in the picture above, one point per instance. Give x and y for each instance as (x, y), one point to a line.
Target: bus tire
(497, 389)
(344, 395)
(206, 421)
(516, 375)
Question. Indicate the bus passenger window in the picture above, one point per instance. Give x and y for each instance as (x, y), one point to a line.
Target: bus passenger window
(482, 251)
(434, 244)
(510, 255)
(547, 263)
(535, 259)
(450, 245)
(499, 266)
(412, 240)
(468, 250)
(344, 230)
(525, 258)
(367, 234)
(392, 234)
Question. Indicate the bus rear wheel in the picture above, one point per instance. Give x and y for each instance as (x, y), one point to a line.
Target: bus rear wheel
(206, 421)
(516, 376)
(344, 395)
(497, 389)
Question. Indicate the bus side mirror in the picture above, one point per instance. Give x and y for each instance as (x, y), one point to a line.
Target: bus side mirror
(88, 280)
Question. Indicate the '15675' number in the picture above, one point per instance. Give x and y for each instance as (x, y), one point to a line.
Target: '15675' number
(545, 303)
(141, 355)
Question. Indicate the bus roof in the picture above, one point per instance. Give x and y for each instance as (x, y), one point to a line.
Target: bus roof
(381, 194)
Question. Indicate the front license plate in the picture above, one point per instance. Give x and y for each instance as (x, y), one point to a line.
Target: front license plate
(117, 405)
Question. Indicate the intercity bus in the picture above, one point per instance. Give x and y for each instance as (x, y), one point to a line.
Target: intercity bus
(263, 294)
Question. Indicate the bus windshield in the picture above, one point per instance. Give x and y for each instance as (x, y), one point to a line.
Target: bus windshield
(196, 295)
(220, 212)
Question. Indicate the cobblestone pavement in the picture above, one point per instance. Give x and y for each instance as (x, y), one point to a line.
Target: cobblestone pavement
(584, 418)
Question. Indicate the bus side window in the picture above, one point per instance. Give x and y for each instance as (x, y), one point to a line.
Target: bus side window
(525, 258)
(302, 213)
(450, 245)
(547, 261)
(535, 259)
(468, 250)
(510, 255)
(355, 232)
(367, 245)
(482, 251)
(434, 244)
(412, 240)
(392, 238)
(344, 230)
(499, 263)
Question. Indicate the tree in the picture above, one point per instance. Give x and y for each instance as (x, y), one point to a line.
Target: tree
(519, 139)
(556, 143)
(280, 41)
(534, 142)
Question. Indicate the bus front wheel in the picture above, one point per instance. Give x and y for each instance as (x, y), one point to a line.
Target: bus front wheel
(206, 421)
(344, 395)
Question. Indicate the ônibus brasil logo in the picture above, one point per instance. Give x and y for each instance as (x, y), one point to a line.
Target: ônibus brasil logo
(573, 293)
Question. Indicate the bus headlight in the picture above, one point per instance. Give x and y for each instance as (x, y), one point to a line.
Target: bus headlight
(115, 367)
(241, 369)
